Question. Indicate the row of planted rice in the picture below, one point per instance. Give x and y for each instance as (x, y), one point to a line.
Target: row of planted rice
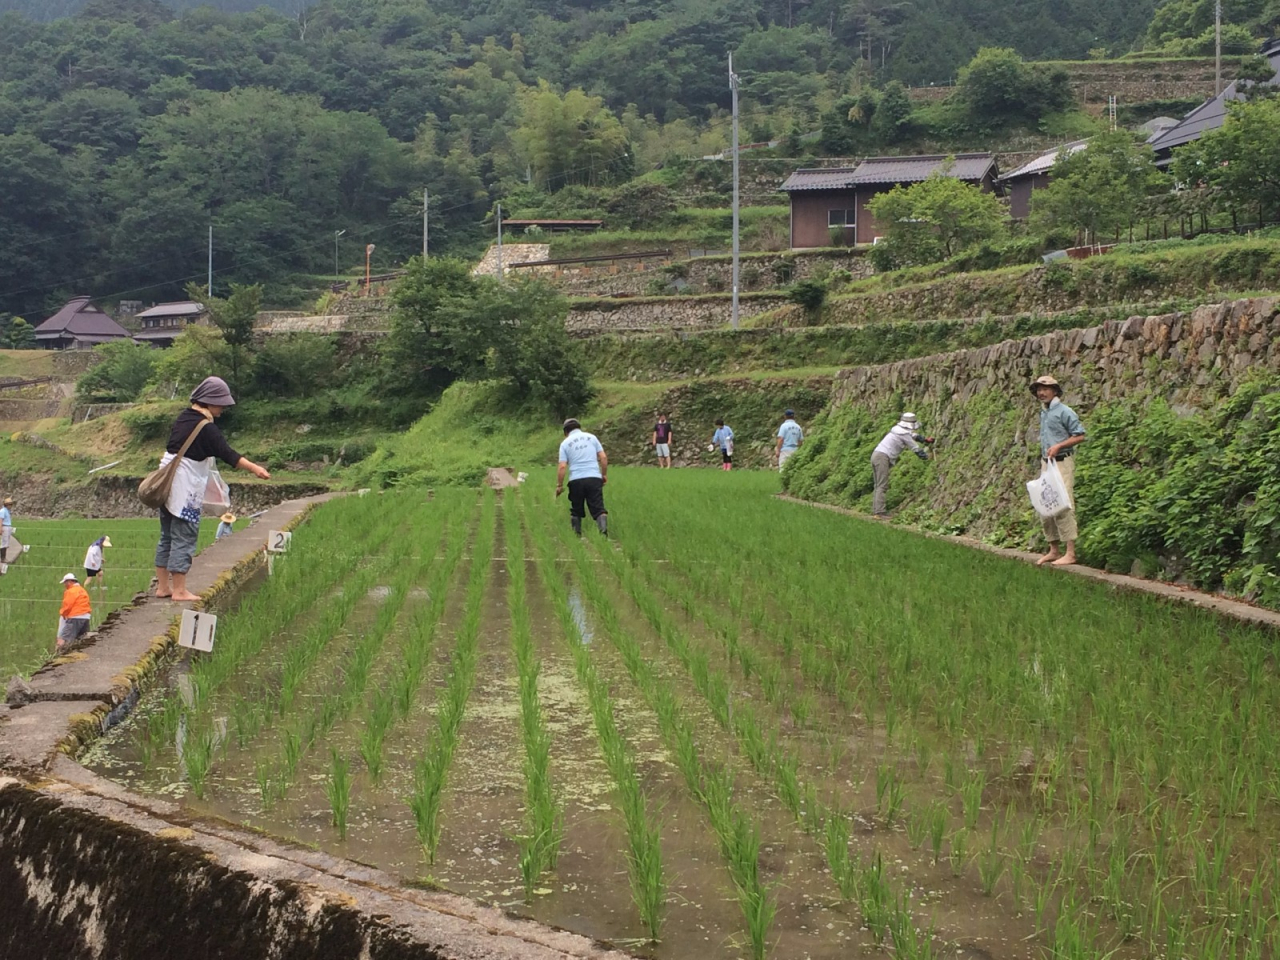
(743, 727)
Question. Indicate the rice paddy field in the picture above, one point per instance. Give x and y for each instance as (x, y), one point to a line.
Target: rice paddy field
(741, 728)
(31, 592)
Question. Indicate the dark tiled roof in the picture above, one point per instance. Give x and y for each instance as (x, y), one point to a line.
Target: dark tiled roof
(1212, 113)
(970, 167)
(180, 308)
(551, 223)
(1044, 163)
(81, 320)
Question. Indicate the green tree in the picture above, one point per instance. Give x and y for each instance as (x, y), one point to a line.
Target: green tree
(1240, 160)
(197, 352)
(235, 316)
(17, 334)
(997, 87)
(296, 365)
(1097, 191)
(569, 139)
(431, 344)
(934, 219)
(123, 370)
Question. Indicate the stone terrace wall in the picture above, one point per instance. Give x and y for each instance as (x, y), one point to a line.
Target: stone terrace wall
(1177, 353)
(666, 313)
(704, 274)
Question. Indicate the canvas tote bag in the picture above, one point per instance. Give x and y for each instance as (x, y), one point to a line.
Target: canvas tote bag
(154, 489)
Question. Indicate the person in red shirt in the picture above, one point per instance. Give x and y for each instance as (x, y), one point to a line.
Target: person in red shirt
(73, 616)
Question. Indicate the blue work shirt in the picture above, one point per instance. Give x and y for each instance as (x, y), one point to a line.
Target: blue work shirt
(6, 518)
(579, 451)
(791, 434)
(722, 437)
(1058, 422)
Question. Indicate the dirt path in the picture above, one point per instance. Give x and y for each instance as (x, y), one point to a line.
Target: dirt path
(1235, 609)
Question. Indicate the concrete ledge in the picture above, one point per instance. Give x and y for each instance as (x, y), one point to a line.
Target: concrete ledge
(85, 874)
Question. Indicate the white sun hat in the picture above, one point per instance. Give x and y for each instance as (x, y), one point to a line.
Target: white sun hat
(70, 576)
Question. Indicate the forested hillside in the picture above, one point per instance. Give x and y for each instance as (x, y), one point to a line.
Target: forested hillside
(305, 132)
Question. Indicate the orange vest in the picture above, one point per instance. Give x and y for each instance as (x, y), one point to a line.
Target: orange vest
(75, 602)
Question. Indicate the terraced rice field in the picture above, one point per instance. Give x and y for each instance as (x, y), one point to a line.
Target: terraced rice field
(741, 728)
(31, 592)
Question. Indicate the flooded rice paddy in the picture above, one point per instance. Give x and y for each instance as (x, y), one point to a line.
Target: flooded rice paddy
(811, 755)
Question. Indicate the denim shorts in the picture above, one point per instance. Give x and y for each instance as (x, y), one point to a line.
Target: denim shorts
(177, 542)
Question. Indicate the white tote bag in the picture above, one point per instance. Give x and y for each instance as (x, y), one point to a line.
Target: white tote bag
(1048, 492)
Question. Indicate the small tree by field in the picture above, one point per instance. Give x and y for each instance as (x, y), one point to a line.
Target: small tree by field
(997, 87)
(124, 369)
(1098, 191)
(235, 317)
(16, 333)
(934, 219)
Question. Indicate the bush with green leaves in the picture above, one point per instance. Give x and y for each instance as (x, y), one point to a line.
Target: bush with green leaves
(16, 333)
(123, 370)
(933, 220)
(294, 365)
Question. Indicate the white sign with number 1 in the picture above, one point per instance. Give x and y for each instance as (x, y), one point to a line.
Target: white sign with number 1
(197, 630)
(278, 541)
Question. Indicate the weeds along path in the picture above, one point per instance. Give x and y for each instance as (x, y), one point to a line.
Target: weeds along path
(1107, 766)
(431, 769)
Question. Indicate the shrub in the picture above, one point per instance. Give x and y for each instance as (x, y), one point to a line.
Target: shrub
(121, 374)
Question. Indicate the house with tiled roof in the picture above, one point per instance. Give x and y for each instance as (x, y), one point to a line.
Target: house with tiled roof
(1211, 114)
(836, 198)
(162, 323)
(79, 325)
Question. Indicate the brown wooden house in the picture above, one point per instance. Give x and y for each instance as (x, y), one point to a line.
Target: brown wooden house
(1032, 176)
(164, 322)
(79, 325)
(822, 199)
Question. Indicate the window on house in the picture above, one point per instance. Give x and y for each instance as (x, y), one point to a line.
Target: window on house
(841, 218)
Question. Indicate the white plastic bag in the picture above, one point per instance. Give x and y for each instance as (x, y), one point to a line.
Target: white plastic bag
(217, 495)
(1048, 492)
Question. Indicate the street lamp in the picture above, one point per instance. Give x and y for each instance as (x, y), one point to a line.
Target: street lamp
(336, 235)
(368, 255)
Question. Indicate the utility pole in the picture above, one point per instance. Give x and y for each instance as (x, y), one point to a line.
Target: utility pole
(1217, 47)
(501, 275)
(426, 222)
(733, 86)
(209, 289)
(336, 235)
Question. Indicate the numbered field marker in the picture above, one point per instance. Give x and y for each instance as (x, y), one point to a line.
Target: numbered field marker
(278, 541)
(197, 630)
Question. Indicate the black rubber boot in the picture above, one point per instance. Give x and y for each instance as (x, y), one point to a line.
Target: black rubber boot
(602, 522)
(576, 523)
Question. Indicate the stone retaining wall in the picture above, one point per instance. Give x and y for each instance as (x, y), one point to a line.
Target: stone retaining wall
(667, 313)
(105, 495)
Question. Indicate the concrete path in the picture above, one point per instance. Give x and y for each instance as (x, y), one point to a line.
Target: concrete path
(70, 695)
(1235, 609)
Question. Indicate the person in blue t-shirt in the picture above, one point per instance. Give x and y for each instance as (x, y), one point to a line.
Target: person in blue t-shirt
(6, 532)
(790, 436)
(583, 459)
(723, 438)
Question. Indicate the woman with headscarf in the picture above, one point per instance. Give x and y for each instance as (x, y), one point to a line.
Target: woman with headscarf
(180, 516)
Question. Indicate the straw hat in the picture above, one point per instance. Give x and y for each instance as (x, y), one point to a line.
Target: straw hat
(1046, 381)
(228, 517)
(8, 501)
(70, 578)
(106, 541)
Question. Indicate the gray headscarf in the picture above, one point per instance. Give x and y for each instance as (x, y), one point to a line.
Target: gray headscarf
(213, 391)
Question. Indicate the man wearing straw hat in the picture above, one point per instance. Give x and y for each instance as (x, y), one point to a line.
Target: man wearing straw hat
(225, 525)
(1060, 432)
(6, 532)
(74, 614)
(902, 436)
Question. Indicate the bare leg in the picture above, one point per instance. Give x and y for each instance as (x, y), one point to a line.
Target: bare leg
(163, 587)
(180, 591)
(1067, 558)
(1051, 556)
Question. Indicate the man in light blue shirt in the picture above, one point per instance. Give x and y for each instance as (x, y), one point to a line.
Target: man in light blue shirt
(723, 439)
(790, 437)
(1060, 432)
(6, 532)
(583, 459)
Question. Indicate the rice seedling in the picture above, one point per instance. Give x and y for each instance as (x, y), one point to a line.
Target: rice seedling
(338, 789)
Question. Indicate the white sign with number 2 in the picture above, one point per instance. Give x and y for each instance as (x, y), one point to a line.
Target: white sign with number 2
(278, 541)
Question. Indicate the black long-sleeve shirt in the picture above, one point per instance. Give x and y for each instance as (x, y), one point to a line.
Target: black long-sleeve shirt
(210, 442)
